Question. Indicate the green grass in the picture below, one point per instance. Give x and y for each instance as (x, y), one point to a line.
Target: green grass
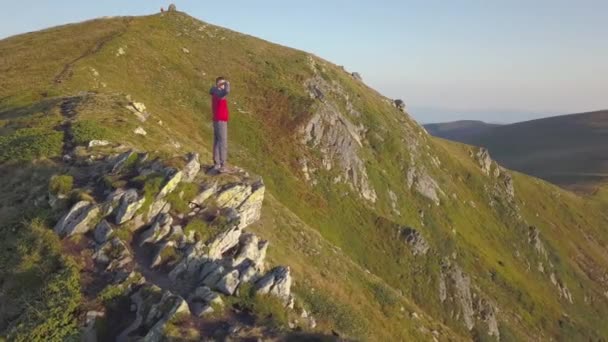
(30, 143)
(61, 184)
(41, 288)
(201, 230)
(86, 130)
(182, 195)
(478, 229)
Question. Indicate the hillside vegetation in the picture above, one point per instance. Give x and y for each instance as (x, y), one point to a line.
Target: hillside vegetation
(390, 234)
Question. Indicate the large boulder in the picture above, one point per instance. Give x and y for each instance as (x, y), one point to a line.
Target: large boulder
(228, 283)
(78, 220)
(276, 282)
(252, 249)
(114, 255)
(102, 232)
(193, 166)
(154, 308)
(250, 209)
(233, 195)
(130, 202)
(161, 227)
(171, 184)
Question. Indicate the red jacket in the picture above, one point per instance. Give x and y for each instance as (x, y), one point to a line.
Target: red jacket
(219, 107)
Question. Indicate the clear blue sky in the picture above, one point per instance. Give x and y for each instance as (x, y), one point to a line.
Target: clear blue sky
(495, 60)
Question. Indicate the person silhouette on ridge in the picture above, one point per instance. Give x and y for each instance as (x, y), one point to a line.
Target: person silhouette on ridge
(219, 108)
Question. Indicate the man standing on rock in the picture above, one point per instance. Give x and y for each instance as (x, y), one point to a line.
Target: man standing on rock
(219, 107)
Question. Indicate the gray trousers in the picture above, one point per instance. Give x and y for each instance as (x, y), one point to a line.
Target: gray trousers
(220, 142)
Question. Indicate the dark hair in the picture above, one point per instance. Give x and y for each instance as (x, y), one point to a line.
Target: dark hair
(221, 78)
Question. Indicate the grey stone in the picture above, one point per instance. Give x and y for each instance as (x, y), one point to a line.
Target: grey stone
(416, 241)
(171, 184)
(102, 232)
(78, 220)
(424, 184)
(192, 167)
(228, 283)
(276, 282)
(130, 202)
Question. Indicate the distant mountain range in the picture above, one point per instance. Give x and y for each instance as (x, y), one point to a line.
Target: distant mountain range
(568, 150)
(459, 130)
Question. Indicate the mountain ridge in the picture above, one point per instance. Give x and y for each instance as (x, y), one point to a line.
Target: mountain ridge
(391, 234)
(566, 150)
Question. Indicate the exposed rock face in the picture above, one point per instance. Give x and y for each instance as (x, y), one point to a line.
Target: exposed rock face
(103, 231)
(416, 241)
(563, 290)
(338, 139)
(357, 76)
(534, 240)
(130, 202)
(484, 160)
(276, 282)
(114, 255)
(215, 252)
(78, 220)
(424, 184)
(455, 288)
(192, 167)
(155, 308)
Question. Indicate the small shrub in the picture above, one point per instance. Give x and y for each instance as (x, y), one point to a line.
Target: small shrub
(182, 195)
(342, 315)
(40, 284)
(268, 309)
(78, 195)
(123, 234)
(61, 184)
(202, 231)
(30, 143)
(87, 130)
(151, 186)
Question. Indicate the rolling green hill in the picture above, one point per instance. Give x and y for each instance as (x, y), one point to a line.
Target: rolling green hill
(568, 150)
(390, 234)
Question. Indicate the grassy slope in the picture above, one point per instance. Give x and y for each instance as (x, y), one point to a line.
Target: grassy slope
(268, 104)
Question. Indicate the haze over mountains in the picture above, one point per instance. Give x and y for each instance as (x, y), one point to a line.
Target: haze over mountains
(568, 150)
(344, 219)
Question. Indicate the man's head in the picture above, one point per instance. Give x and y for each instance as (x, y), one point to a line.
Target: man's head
(220, 81)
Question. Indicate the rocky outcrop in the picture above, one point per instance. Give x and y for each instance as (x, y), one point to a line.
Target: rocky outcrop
(154, 308)
(457, 291)
(193, 166)
(424, 184)
(339, 140)
(415, 240)
(535, 241)
(276, 282)
(130, 202)
(484, 160)
(78, 220)
(204, 253)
